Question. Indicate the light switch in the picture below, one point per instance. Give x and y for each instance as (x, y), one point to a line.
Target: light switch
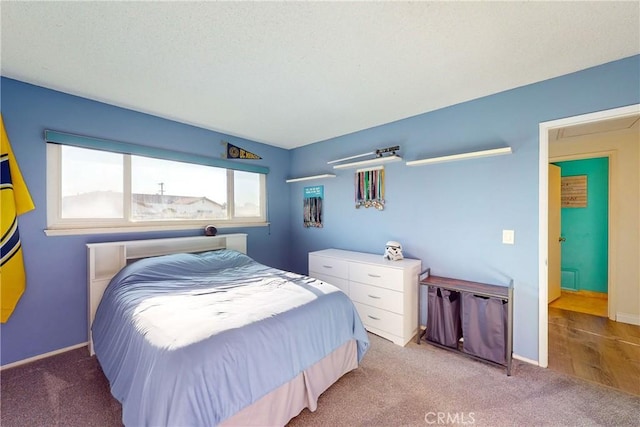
(508, 237)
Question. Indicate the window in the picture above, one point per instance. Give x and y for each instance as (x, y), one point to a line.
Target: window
(92, 191)
(247, 188)
(169, 190)
(92, 183)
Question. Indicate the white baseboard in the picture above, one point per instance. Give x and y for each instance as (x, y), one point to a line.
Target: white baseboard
(41, 356)
(525, 359)
(632, 319)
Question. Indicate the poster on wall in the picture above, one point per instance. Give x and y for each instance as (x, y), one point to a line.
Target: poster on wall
(573, 191)
(312, 209)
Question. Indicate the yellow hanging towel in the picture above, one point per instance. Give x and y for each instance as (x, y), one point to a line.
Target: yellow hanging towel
(15, 200)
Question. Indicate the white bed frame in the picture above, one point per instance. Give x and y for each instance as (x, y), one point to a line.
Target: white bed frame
(106, 259)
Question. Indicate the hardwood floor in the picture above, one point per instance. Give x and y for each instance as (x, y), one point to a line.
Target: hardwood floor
(595, 303)
(595, 348)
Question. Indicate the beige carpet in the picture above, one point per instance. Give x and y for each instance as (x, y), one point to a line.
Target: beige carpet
(395, 386)
(422, 385)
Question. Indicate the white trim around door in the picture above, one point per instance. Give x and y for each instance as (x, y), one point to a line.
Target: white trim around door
(543, 207)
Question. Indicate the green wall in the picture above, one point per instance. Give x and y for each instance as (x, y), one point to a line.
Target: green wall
(585, 253)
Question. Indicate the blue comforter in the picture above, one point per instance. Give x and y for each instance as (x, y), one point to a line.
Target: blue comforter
(191, 339)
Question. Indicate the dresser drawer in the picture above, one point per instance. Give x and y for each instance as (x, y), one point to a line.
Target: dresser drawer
(386, 299)
(330, 266)
(380, 276)
(380, 319)
(343, 284)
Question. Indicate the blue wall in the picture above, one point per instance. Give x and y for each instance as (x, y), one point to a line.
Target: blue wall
(53, 311)
(586, 250)
(451, 215)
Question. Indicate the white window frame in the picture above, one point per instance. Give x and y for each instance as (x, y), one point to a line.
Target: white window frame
(56, 225)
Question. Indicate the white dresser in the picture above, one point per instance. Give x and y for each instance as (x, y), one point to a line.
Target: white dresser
(384, 292)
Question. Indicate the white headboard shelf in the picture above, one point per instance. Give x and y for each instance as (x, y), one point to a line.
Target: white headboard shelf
(106, 259)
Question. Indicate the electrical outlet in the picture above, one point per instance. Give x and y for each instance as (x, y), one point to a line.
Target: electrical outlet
(508, 237)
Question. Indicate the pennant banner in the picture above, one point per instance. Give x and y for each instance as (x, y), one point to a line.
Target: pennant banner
(15, 200)
(234, 152)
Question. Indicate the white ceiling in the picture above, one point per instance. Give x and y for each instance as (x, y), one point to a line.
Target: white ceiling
(622, 124)
(294, 73)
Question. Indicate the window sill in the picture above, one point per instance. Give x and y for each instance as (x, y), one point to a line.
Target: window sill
(144, 228)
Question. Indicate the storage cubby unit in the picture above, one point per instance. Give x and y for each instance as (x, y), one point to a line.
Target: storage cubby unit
(472, 318)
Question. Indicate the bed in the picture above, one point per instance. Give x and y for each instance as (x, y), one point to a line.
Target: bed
(192, 331)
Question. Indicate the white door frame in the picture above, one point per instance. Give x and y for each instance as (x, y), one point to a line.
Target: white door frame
(543, 208)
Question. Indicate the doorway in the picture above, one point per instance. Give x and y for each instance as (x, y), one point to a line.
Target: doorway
(578, 344)
(578, 235)
(599, 121)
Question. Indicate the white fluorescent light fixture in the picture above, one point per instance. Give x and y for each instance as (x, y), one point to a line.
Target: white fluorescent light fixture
(307, 178)
(462, 156)
(370, 162)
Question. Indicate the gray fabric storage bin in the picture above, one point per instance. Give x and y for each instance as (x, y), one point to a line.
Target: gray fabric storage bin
(443, 316)
(484, 327)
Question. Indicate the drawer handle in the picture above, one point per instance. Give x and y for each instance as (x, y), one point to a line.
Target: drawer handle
(373, 275)
(373, 296)
(327, 266)
(372, 317)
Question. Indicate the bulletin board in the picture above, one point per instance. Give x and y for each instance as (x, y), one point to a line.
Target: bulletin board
(573, 191)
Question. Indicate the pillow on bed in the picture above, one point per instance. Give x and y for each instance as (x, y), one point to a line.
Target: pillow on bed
(184, 264)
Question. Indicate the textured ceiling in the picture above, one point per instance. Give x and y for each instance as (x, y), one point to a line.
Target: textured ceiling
(294, 73)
